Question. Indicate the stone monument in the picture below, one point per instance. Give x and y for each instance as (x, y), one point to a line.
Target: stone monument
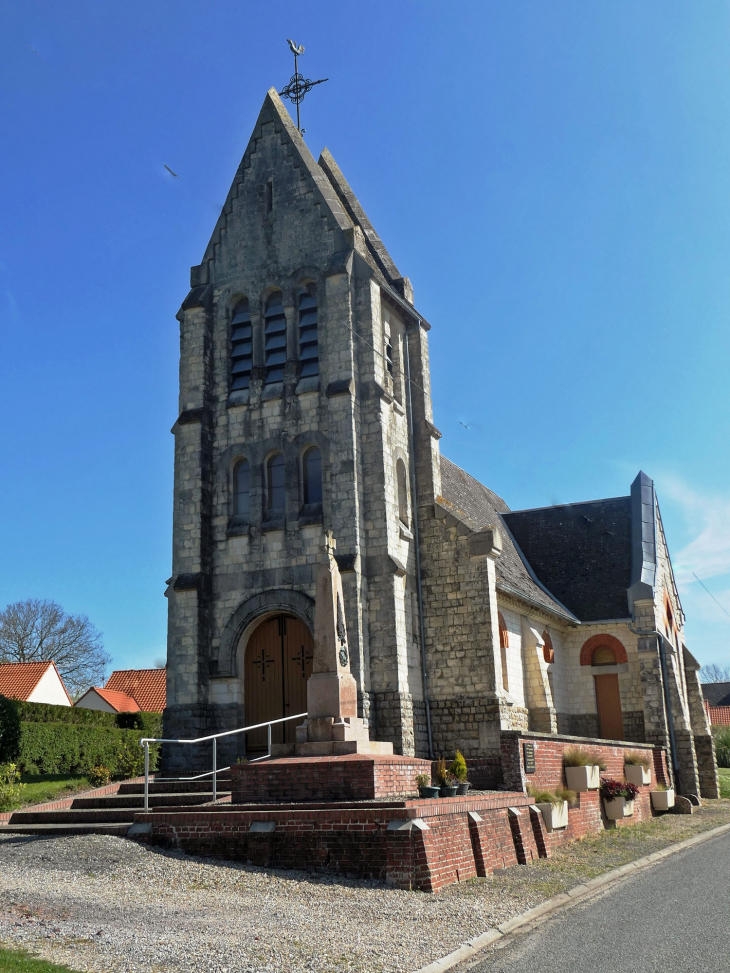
(332, 726)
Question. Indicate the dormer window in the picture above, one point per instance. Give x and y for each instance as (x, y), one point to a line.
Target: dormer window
(308, 341)
(274, 338)
(241, 344)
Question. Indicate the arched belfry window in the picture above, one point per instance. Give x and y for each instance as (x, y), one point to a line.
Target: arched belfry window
(274, 338)
(240, 346)
(312, 475)
(275, 484)
(548, 652)
(400, 471)
(308, 341)
(242, 488)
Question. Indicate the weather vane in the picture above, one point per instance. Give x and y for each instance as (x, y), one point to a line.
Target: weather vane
(298, 85)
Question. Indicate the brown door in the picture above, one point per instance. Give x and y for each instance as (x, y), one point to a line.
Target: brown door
(278, 664)
(608, 705)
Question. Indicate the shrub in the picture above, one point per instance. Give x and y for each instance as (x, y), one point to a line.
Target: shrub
(56, 748)
(720, 738)
(611, 789)
(457, 767)
(578, 757)
(10, 787)
(441, 775)
(9, 730)
(130, 761)
(638, 759)
(99, 776)
(544, 796)
(422, 780)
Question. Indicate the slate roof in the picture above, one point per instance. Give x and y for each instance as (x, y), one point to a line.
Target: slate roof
(146, 686)
(581, 552)
(19, 679)
(716, 693)
(119, 702)
(483, 508)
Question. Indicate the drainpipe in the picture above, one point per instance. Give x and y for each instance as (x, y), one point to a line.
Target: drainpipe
(417, 547)
(667, 698)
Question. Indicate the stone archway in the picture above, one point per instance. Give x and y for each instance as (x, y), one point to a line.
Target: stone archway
(277, 601)
(277, 664)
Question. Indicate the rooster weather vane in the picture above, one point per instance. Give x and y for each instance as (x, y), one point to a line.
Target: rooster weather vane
(298, 85)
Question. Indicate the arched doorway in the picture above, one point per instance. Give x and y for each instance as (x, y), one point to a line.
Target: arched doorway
(277, 664)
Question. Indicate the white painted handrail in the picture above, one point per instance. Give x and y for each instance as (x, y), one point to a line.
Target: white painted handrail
(146, 741)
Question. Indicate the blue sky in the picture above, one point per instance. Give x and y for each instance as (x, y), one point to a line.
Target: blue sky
(553, 177)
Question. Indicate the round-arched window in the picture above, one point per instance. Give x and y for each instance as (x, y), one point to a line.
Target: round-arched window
(312, 475)
(276, 483)
(242, 488)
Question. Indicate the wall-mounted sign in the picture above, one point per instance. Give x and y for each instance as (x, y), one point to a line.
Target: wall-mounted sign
(529, 749)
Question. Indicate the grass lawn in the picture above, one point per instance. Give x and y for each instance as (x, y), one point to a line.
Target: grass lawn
(49, 787)
(724, 774)
(15, 962)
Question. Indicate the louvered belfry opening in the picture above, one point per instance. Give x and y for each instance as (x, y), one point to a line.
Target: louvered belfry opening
(308, 342)
(274, 339)
(241, 342)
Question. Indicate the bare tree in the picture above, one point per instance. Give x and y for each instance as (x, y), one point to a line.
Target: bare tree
(713, 673)
(41, 631)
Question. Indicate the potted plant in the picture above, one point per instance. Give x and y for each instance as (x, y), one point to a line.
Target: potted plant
(423, 782)
(662, 799)
(582, 769)
(618, 798)
(445, 780)
(553, 805)
(458, 771)
(637, 768)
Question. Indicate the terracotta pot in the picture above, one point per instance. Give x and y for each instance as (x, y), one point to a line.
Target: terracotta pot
(662, 800)
(554, 815)
(618, 808)
(583, 778)
(635, 774)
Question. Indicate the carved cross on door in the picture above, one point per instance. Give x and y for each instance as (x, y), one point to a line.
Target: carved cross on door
(262, 662)
(302, 659)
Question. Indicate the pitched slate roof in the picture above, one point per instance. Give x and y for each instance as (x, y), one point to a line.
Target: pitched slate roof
(483, 508)
(716, 693)
(581, 552)
(146, 686)
(19, 679)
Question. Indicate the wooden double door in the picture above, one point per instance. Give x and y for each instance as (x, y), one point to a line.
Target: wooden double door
(277, 664)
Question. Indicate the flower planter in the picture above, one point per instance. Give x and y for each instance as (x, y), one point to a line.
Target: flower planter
(662, 800)
(618, 808)
(428, 791)
(583, 778)
(447, 791)
(636, 774)
(554, 815)
(462, 788)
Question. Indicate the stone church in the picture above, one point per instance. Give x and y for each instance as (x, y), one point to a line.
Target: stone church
(305, 408)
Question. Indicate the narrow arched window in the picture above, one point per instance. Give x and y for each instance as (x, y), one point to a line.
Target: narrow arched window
(503, 646)
(242, 488)
(276, 486)
(308, 342)
(312, 475)
(548, 652)
(400, 472)
(240, 346)
(274, 338)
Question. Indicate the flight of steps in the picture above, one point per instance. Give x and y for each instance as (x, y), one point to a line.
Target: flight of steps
(114, 814)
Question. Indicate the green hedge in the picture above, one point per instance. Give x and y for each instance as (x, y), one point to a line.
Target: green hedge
(73, 743)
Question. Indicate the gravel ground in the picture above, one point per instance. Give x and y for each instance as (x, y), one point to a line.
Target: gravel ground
(100, 904)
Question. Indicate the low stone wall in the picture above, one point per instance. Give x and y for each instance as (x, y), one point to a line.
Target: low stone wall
(354, 777)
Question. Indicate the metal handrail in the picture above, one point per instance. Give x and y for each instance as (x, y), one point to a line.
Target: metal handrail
(146, 741)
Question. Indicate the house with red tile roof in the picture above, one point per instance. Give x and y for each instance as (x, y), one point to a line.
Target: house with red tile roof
(128, 691)
(33, 682)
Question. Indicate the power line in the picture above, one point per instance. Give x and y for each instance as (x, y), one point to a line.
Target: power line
(712, 596)
(385, 358)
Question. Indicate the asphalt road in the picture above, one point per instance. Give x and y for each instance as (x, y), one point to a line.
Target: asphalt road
(675, 916)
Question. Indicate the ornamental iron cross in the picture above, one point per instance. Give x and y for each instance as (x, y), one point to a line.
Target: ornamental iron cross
(298, 85)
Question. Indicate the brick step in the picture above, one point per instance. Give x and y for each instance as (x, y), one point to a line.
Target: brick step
(117, 828)
(137, 800)
(176, 786)
(69, 816)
